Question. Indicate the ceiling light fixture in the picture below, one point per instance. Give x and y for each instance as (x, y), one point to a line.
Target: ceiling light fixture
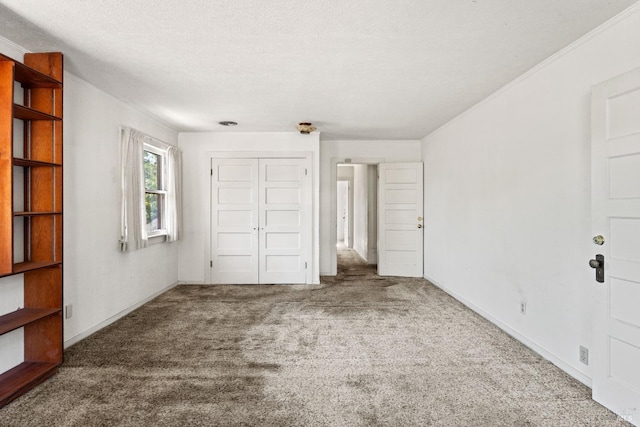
(305, 127)
(228, 123)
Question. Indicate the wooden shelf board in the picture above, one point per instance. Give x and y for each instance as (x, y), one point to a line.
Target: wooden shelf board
(25, 113)
(33, 163)
(23, 378)
(23, 267)
(24, 316)
(31, 78)
(36, 213)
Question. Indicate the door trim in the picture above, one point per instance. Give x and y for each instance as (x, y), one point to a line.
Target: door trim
(307, 155)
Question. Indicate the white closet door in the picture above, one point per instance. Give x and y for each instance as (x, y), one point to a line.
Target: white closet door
(400, 232)
(285, 206)
(234, 217)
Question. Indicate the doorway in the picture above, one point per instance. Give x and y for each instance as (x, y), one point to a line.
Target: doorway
(395, 240)
(356, 211)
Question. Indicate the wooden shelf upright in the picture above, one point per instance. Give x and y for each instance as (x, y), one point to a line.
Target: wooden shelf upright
(31, 212)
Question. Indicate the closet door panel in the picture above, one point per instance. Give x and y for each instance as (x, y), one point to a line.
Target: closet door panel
(234, 220)
(284, 219)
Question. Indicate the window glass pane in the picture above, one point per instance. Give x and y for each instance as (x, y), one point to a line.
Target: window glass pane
(152, 171)
(154, 211)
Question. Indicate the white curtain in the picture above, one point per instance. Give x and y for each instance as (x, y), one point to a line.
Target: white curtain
(133, 232)
(174, 193)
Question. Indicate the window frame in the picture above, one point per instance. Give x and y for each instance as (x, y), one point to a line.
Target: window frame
(160, 151)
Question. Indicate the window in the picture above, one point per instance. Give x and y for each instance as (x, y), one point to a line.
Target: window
(151, 207)
(154, 190)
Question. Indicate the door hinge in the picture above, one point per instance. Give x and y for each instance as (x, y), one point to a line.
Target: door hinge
(305, 265)
(305, 171)
(211, 171)
(211, 264)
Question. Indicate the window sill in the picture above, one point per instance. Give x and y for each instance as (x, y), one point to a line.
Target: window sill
(157, 238)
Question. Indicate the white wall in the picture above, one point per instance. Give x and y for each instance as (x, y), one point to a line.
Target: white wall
(99, 281)
(333, 152)
(507, 198)
(360, 211)
(196, 149)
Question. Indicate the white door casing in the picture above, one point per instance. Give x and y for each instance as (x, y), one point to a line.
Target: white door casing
(400, 219)
(260, 221)
(615, 190)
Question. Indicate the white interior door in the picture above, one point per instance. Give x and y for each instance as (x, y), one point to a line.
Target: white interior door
(234, 218)
(400, 207)
(285, 206)
(616, 217)
(342, 219)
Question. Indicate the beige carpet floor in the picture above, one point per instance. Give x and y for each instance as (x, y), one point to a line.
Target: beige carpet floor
(359, 350)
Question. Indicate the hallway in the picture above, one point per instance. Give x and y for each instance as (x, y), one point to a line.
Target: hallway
(351, 264)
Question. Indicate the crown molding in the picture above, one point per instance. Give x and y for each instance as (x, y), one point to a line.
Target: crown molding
(12, 49)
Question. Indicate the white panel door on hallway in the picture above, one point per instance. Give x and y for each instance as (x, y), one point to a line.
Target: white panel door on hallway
(400, 222)
(615, 196)
(260, 221)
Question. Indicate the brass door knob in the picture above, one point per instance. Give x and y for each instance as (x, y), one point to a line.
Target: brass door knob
(419, 225)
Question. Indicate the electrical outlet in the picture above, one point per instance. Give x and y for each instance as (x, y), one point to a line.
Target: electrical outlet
(523, 307)
(584, 355)
(68, 311)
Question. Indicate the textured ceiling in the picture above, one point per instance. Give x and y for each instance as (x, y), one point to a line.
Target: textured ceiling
(359, 69)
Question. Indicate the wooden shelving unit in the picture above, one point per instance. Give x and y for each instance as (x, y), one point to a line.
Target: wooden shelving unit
(31, 212)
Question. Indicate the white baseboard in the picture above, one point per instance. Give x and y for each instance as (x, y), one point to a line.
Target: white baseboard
(192, 282)
(584, 379)
(77, 338)
(195, 283)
